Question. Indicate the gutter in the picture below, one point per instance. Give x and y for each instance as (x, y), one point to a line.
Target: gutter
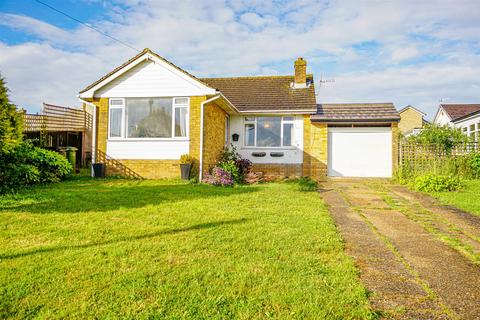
(94, 131)
(202, 111)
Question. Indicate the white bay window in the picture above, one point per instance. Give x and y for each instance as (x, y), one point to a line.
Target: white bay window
(269, 131)
(148, 118)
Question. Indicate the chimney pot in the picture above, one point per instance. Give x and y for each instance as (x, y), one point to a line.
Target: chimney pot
(300, 73)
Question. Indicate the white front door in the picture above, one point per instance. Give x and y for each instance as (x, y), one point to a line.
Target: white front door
(360, 152)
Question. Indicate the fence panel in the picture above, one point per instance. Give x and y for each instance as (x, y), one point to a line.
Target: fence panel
(417, 159)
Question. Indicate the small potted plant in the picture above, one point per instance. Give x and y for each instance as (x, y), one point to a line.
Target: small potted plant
(186, 162)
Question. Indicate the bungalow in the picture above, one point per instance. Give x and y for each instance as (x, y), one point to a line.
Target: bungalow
(148, 112)
(463, 116)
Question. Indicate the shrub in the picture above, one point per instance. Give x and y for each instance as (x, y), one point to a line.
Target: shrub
(186, 159)
(26, 165)
(435, 183)
(474, 162)
(231, 167)
(219, 177)
(52, 166)
(244, 166)
(230, 161)
(445, 136)
(307, 184)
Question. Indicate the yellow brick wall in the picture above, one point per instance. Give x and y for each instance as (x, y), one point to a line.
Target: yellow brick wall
(101, 122)
(150, 169)
(195, 104)
(395, 145)
(279, 170)
(315, 144)
(213, 135)
(409, 120)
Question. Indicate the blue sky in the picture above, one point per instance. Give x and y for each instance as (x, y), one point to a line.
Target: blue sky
(377, 51)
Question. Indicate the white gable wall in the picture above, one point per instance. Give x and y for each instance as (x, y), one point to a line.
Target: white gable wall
(151, 79)
(442, 118)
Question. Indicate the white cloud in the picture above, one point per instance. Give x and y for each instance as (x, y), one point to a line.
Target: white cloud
(240, 37)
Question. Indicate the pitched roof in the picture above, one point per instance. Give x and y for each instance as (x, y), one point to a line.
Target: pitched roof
(413, 108)
(143, 52)
(266, 93)
(457, 111)
(356, 112)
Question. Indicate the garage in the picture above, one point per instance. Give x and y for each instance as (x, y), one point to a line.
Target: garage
(360, 152)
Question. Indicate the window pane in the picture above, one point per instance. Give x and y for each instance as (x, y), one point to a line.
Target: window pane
(116, 122)
(287, 134)
(287, 118)
(249, 118)
(181, 100)
(116, 102)
(250, 135)
(268, 131)
(149, 118)
(181, 122)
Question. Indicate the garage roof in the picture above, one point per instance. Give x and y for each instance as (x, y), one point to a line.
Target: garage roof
(356, 112)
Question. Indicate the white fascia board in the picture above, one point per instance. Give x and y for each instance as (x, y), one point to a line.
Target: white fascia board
(473, 116)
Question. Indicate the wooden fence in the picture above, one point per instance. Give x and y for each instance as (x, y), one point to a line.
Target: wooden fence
(415, 159)
(57, 118)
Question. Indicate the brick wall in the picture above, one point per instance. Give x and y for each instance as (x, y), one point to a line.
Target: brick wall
(213, 135)
(409, 120)
(150, 169)
(395, 145)
(195, 104)
(315, 152)
(279, 171)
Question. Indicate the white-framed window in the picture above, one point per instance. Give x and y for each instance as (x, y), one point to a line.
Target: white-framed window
(148, 118)
(116, 118)
(268, 131)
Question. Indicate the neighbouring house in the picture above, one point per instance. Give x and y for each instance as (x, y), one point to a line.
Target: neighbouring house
(412, 120)
(148, 112)
(463, 116)
(58, 127)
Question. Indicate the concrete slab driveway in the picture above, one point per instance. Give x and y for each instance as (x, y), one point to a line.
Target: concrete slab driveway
(420, 260)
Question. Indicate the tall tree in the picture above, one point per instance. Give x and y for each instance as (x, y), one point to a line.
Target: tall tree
(11, 121)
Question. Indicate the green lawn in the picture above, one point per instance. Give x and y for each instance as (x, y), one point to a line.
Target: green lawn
(159, 249)
(467, 199)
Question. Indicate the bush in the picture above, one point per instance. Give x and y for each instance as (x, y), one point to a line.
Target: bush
(307, 184)
(52, 166)
(474, 162)
(435, 183)
(231, 167)
(233, 163)
(219, 177)
(445, 136)
(26, 165)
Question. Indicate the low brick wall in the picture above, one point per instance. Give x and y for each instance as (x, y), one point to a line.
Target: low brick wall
(149, 169)
(279, 171)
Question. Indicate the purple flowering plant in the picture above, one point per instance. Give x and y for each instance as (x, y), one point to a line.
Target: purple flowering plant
(219, 177)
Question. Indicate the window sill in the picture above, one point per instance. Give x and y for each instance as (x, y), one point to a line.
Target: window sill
(268, 148)
(146, 139)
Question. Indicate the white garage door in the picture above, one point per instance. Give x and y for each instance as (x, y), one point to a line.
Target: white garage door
(360, 152)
